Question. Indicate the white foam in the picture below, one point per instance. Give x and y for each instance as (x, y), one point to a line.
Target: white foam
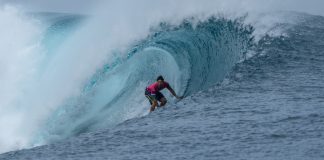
(20, 53)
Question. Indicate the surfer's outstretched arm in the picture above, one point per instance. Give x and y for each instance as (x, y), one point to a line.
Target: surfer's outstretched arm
(173, 93)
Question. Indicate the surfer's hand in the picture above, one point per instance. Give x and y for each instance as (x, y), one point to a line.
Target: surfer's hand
(181, 97)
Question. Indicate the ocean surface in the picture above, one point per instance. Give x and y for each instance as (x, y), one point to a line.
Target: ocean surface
(247, 96)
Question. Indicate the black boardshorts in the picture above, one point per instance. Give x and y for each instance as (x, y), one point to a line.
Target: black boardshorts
(151, 97)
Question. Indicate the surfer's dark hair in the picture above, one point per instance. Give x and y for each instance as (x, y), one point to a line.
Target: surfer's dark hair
(159, 78)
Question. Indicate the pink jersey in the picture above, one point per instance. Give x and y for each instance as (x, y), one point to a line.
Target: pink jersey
(153, 88)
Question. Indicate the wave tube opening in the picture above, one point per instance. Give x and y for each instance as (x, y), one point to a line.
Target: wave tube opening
(190, 57)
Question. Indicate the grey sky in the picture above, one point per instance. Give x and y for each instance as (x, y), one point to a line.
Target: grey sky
(53, 5)
(309, 6)
(81, 6)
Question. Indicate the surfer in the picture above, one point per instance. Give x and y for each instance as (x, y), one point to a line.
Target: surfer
(152, 92)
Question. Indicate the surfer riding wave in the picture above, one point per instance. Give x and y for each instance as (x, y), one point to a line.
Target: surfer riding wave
(153, 94)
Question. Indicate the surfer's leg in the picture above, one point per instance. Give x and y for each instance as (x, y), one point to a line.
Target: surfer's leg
(152, 100)
(160, 97)
(163, 101)
(154, 104)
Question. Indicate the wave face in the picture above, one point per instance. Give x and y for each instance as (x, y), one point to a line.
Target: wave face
(190, 57)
